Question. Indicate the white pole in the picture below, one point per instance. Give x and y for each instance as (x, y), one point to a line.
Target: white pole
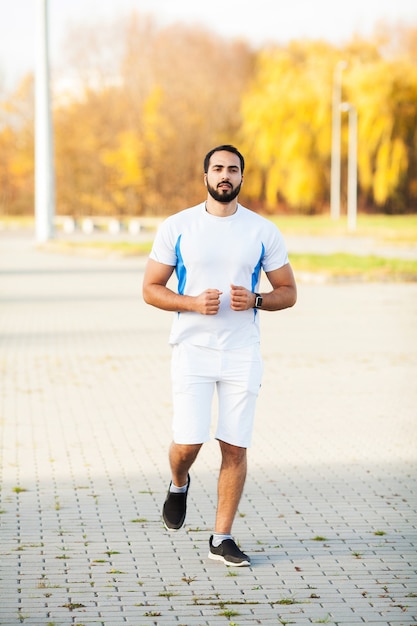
(352, 191)
(336, 137)
(352, 208)
(44, 164)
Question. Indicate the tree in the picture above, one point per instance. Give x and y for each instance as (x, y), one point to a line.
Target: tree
(194, 84)
(141, 106)
(164, 108)
(286, 126)
(387, 117)
(17, 150)
(287, 123)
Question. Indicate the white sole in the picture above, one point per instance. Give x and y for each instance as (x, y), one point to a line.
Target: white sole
(219, 557)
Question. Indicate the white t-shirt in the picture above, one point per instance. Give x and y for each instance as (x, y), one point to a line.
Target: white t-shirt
(210, 252)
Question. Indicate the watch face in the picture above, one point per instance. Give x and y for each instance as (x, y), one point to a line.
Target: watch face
(258, 301)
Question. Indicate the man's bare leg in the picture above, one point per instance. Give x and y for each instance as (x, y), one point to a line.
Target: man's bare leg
(181, 458)
(230, 485)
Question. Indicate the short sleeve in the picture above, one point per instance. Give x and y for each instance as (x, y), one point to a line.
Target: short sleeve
(163, 248)
(276, 254)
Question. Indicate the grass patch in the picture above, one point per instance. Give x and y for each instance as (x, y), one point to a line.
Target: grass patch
(286, 602)
(229, 613)
(392, 229)
(367, 268)
(72, 606)
(19, 490)
(167, 594)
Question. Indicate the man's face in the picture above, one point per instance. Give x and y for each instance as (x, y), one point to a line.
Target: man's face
(224, 177)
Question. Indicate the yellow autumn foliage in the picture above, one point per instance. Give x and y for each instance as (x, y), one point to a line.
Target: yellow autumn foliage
(286, 124)
(131, 136)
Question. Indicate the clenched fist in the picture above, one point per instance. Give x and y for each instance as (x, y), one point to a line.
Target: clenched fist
(241, 299)
(208, 302)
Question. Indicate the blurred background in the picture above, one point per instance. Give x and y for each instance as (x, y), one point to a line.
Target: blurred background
(140, 91)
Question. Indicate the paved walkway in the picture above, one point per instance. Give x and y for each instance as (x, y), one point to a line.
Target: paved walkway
(329, 511)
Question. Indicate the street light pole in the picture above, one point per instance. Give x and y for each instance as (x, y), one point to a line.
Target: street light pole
(44, 164)
(336, 138)
(352, 191)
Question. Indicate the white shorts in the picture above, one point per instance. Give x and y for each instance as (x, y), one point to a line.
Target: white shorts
(196, 372)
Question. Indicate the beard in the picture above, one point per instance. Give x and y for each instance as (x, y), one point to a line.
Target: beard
(225, 196)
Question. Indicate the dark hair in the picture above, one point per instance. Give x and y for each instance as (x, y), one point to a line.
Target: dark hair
(226, 148)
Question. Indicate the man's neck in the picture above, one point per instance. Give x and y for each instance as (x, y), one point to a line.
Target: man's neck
(221, 209)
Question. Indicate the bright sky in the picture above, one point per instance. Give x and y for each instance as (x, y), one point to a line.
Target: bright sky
(257, 21)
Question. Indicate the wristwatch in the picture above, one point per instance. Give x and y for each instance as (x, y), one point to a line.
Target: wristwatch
(258, 301)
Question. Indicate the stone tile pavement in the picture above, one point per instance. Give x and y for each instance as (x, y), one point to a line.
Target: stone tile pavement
(329, 511)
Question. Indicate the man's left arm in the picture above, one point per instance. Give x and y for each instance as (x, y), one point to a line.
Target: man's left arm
(284, 289)
(282, 296)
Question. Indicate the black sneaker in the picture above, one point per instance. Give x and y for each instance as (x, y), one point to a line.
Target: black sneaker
(229, 553)
(175, 508)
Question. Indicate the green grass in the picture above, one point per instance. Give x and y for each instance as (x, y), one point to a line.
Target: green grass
(19, 490)
(229, 613)
(366, 268)
(392, 229)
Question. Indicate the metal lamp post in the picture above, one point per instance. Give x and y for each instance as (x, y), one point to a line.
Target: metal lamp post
(336, 136)
(44, 164)
(352, 188)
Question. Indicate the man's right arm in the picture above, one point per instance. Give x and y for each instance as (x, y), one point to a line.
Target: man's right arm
(156, 292)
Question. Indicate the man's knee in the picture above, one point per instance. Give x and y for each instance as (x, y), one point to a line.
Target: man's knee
(184, 452)
(232, 455)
